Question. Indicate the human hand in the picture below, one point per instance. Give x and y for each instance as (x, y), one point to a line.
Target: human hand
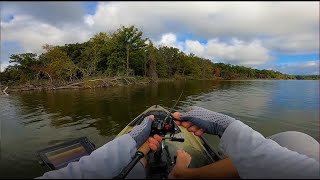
(153, 143)
(200, 120)
(140, 133)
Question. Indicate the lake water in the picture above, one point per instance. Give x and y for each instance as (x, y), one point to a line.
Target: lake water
(33, 120)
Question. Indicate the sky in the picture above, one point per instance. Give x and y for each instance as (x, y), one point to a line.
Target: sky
(281, 36)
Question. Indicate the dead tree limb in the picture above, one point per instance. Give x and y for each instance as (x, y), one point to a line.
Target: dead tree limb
(4, 91)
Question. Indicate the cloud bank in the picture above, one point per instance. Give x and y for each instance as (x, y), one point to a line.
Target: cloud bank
(245, 33)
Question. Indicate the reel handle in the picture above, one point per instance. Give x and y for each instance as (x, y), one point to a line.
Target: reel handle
(174, 139)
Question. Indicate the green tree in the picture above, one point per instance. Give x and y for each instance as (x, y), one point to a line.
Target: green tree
(152, 56)
(93, 53)
(23, 63)
(57, 64)
(131, 39)
(123, 52)
(173, 58)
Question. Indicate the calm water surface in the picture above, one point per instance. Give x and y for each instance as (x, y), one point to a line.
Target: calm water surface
(31, 121)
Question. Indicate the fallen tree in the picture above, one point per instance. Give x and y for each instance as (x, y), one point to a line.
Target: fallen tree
(4, 91)
(84, 84)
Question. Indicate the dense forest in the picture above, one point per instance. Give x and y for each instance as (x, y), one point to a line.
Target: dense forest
(124, 52)
(307, 77)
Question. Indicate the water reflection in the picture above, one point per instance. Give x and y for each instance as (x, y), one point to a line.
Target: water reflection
(109, 109)
(33, 120)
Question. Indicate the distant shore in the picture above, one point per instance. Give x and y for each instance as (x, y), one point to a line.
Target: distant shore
(101, 83)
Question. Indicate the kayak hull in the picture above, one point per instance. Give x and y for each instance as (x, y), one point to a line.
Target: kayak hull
(199, 149)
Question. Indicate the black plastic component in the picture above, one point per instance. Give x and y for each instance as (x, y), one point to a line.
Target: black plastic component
(162, 125)
(158, 123)
(174, 159)
(212, 152)
(59, 156)
(169, 159)
(177, 139)
(125, 171)
(158, 167)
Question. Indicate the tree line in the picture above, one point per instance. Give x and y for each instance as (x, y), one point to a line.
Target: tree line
(124, 52)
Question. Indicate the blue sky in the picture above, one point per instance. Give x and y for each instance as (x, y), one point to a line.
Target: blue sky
(282, 36)
(288, 58)
(90, 7)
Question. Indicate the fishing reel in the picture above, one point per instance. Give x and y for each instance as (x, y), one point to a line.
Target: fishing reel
(165, 126)
(160, 165)
(161, 127)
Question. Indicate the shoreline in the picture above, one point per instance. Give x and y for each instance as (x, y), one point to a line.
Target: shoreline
(94, 83)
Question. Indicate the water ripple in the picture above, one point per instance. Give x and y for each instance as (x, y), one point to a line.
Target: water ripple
(33, 120)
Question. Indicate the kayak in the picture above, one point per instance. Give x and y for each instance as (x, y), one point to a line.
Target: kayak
(201, 151)
(160, 162)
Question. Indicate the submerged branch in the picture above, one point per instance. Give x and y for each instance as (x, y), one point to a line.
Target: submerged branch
(4, 91)
(84, 84)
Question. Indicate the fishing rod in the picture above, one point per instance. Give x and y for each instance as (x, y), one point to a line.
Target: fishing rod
(157, 127)
(169, 114)
(213, 153)
(171, 121)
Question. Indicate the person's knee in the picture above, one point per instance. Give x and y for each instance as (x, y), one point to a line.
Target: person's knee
(299, 142)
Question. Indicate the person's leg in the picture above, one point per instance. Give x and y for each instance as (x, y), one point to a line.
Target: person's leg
(298, 142)
(221, 169)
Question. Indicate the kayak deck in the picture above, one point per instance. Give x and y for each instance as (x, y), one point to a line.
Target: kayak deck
(201, 153)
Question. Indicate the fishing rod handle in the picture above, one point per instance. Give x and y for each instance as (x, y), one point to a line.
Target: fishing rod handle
(174, 139)
(125, 171)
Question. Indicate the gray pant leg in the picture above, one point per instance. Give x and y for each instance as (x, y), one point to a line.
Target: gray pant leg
(298, 142)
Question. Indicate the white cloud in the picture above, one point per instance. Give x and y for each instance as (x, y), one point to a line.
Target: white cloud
(32, 34)
(54, 13)
(169, 40)
(257, 28)
(234, 52)
(295, 44)
(298, 68)
(37, 23)
(287, 26)
(238, 52)
(6, 49)
(278, 20)
(3, 66)
(196, 47)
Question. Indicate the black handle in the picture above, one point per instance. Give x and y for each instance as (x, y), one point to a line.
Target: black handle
(177, 139)
(125, 171)
(174, 139)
